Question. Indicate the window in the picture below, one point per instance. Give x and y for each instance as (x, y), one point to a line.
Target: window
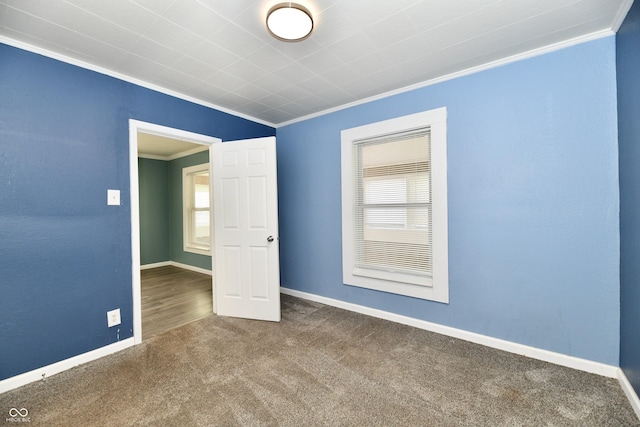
(394, 204)
(196, 214)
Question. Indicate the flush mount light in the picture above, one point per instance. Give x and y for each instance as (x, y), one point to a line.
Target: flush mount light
(289, 22)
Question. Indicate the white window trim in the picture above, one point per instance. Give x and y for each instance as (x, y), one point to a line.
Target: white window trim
(436, 288)
(186, 208)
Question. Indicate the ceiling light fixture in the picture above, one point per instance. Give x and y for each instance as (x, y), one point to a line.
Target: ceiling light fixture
(289, 22)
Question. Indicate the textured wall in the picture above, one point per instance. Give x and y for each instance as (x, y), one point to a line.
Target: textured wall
(161, 211)
(628, 61)
(153, 182)
(176, 211)
(533, 202)
(65, 256)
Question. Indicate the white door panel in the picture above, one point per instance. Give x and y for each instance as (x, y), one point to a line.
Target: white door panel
(246, 248)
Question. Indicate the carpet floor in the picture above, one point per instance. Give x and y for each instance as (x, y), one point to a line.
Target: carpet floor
(320, 366)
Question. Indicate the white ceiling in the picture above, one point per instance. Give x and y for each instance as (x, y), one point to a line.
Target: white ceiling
(162, 148)
(219, 53)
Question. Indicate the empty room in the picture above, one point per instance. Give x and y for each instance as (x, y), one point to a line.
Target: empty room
(327, 212)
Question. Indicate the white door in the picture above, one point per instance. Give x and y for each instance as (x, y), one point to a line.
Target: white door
(245, 211)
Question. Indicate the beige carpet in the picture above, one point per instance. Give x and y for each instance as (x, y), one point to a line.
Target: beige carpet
(319, 366)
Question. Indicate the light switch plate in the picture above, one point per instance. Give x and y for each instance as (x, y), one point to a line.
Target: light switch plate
(113, 197)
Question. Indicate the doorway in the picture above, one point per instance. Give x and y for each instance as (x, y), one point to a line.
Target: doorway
(173, 297)
(138, 131)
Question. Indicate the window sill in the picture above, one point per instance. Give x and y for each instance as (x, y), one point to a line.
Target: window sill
(390, 276)
(196, 250)
(427, 292)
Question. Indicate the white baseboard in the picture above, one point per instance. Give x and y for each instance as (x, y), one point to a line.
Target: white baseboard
(190, 267)
(628, 390)
(533, 352)
(511, 347)
(176, 264)
(155, 265)
(63, 365)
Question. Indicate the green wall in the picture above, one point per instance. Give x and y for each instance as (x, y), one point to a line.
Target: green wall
(161, 211)
(175, 211)
(154, 211)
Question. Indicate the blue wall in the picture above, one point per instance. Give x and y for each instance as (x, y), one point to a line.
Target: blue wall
(533, 202)
(65, 256)
(628, 59)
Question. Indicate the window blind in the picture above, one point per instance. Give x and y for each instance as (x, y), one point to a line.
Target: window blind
(392, 203)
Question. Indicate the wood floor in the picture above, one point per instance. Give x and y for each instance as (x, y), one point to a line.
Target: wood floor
(173, 297)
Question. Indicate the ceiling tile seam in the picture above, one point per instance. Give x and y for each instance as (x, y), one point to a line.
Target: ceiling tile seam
(476, 36)
(341, 67)
(184, 75)
(189, 56)
(358, 31)
(171, 66)
(108, 20)
(129, 79)
(153, 12)
(162, 17)
(426, 31)
(325, 100)
(387, 65)
(144, 7)
(459, 17)
(260, 67)
(39, 18)
(528, 18)
(153, 61)
(285, 53)
(234, 23)
(152, 41)
(372, 24)
(235, 57)
(149, 58)
(192, 58)
(472, 70)
(329, 6)
(64, 28)
(242, 58)
(551, 33)
(489, 64)
(206, 6)
(203, 39)
(65, 48)
(204, 80)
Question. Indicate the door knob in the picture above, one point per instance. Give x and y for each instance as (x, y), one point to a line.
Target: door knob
(270, 239)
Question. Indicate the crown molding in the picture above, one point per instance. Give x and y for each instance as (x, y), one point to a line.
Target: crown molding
(472, 70)
(107, 72)
(622, 13)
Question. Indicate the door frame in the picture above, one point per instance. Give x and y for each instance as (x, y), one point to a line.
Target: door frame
(135, 127)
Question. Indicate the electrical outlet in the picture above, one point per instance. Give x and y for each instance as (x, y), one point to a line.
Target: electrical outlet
(113, 197)
(113, 317)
